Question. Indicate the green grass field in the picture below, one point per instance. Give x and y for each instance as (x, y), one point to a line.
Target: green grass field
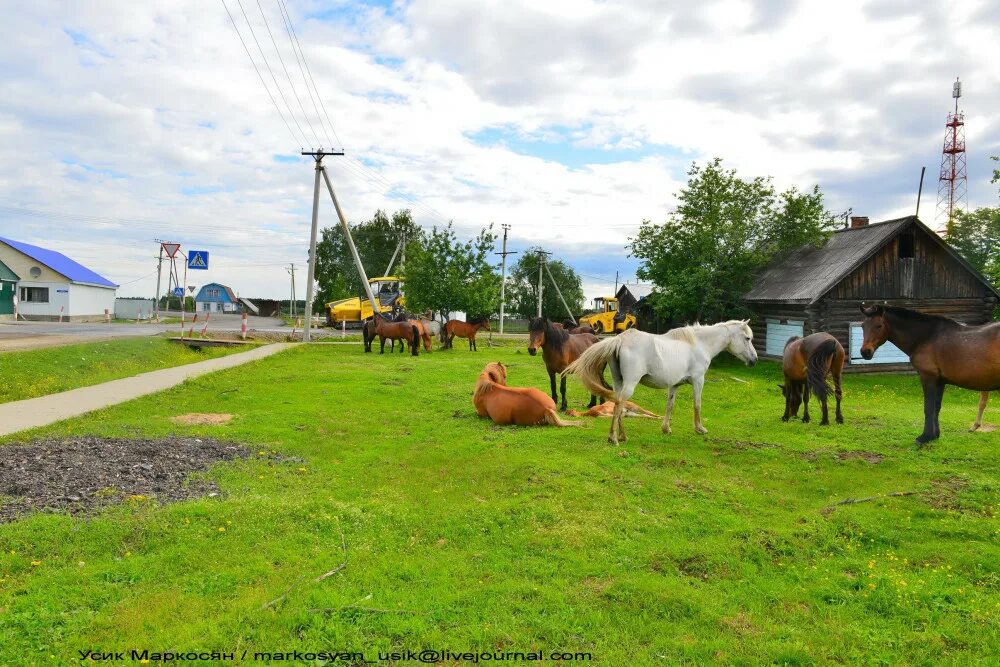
(727, 548)
(49, 370)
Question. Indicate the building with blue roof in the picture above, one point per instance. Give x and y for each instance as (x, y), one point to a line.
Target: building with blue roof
(50, 285)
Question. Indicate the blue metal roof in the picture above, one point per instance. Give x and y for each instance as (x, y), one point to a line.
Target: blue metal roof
(59, 263)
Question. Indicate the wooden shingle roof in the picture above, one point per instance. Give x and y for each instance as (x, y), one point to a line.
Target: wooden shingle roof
(810, 272)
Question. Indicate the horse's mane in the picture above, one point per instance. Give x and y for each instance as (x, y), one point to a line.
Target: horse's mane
(553, 335)
(792, 340)
(917, 316)
(687, 334)
(487, 381)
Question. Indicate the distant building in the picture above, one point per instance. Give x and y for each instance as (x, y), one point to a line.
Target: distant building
(633, 298)
(897, 262)
(216, 298)
(8, 288)
(50, 285)
(134, 308)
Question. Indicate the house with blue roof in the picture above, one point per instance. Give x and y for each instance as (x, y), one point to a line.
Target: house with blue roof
(216, 298)
(50, 285)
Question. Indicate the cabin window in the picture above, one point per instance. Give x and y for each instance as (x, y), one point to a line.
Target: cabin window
(35, 294)
(906, 246)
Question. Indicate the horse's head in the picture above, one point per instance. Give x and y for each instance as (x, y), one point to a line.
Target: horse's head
(796, 393)
(875, 328)
(497, 372)
(741, 342)
(536, 334)
(485, 321)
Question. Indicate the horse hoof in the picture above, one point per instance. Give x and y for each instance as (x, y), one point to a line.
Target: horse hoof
(701, 430)
(825, 422)
(924, 439)
(840, 420)
(805, 420)
(785, 418)
(666, 430)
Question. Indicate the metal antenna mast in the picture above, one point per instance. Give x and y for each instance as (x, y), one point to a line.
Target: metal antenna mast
(953, 180)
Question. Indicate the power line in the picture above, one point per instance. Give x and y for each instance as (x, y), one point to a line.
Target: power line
(267, 25)
(287, 22)
(271, 72)
(259, 75)
(309, 72)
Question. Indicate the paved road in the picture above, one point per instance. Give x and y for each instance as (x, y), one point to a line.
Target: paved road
(35, 412)
(29, 335)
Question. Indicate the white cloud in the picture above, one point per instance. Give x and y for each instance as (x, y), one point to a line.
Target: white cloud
(572, 121)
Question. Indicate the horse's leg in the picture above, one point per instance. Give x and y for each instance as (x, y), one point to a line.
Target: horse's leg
(562, 389)
(788, 401)
(805, 403)
(381, 341)
(552, 382)
(593, 401)
(937, 411)
(697, 384)
(475, 345)
(929, 385)
(983, 399)
(615, 416)
(839, 394)
(826, 413)
(671, 397)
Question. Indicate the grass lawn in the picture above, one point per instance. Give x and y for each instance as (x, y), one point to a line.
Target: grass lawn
(464, 536)
(49, 370)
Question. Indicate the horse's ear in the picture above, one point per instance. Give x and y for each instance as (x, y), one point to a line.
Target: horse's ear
(871, 311)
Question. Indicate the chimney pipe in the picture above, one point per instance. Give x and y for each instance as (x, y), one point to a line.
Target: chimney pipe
(859, 221)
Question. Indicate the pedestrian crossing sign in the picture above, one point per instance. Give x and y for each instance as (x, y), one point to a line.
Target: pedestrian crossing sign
(198, 259)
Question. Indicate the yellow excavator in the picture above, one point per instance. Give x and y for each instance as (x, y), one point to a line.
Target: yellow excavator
(355, 310)
(608, 319)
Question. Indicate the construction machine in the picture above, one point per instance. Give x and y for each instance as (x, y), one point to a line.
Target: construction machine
(355, 310)
(608, 318)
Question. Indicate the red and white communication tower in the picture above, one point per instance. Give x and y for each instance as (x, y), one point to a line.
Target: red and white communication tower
(953, 181)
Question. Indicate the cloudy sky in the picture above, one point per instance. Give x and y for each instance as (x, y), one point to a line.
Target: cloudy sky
(124, 122)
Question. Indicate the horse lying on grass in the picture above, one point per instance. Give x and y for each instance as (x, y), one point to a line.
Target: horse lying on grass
(607, 409)
(523, 406)
(806, 363)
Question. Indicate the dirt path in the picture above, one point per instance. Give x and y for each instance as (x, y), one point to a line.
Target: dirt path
(34, 412)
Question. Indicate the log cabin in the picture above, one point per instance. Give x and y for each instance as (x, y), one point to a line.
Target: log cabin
(897, 262)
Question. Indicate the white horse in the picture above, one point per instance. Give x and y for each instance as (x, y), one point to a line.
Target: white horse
(680, 356)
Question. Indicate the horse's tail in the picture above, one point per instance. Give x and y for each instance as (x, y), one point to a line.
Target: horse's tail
(552, 419)
(589, 367)
(416, 339)
(816, 367)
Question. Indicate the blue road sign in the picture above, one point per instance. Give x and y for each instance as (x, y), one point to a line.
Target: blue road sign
(198, 259)
(178, 292)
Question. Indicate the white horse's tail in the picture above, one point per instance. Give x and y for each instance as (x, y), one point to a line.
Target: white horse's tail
(589, 367)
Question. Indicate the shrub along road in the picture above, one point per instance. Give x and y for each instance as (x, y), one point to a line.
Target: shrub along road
(412, 524)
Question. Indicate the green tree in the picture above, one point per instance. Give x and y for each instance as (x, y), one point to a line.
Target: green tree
(996, 172)
(725, 230)
(976, 235)
(445, 274)
(376, 240)
(522, 288)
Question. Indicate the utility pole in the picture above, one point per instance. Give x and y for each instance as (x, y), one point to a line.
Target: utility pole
(159, 272)
(311, 272)
(503, 274)
(541, 266)
(616, 284)
(291, 303)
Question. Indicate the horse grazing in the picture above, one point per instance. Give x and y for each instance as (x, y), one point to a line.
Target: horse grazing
(559, 349)
(572, 327)
(524, 406)
(425, 334)
(677, 357)
(607, 409)
(432, 326)
(391, 331)
(465, 330)
(806, 362)
(942, 350)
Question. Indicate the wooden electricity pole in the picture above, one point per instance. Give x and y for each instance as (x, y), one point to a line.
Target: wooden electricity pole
(503, 274)
(541, 266)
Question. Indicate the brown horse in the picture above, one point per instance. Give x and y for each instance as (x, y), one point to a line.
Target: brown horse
(465, 330)
(392, 331)
(524, 406)
(425, 334)
(572, 327)
(807, 361)
(559, 349)
(607, 409)
(942, 350)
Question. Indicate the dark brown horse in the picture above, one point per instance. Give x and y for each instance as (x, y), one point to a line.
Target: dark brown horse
(392, 331)
(806, 362)
(465, 330)
(572, 327)
(559, 349)
(942, 350)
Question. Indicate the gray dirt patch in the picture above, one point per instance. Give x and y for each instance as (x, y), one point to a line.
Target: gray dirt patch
(79, 474)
